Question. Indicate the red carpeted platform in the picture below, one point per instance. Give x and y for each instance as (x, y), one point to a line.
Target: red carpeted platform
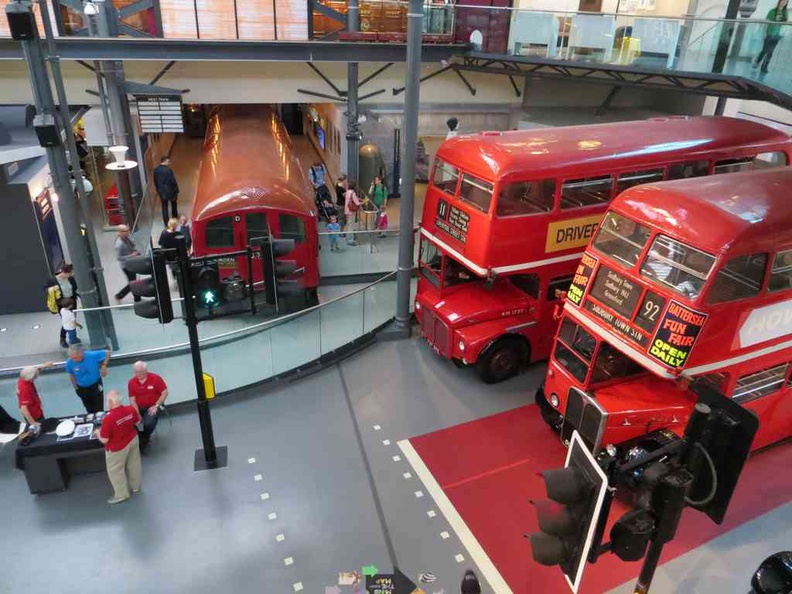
(489, 470)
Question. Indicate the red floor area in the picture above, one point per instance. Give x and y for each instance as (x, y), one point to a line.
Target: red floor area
(489, 470)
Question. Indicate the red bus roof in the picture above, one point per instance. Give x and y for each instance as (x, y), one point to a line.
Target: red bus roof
(248, 163)
(749, 211)
(497, 155)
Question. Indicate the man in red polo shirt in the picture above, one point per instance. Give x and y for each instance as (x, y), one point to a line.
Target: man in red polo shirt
(147, 392)
(29, 400)
(122, 452)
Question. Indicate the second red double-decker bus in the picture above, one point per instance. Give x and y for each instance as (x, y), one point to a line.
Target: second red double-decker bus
(508, 214)
(685, 282)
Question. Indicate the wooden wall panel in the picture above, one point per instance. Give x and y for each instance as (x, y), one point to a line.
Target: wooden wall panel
(216, 19)
(292, 20)
(256, 19)
(178, 19)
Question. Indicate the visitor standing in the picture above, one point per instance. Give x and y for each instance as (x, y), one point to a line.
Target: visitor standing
(125, 249)
(334, 229)
(773, 34)
(122, 450)
(351, 208)
(147, 393)
(85, 369)
(378, 192)
(62, 286)
(69, 322)
(167, 188)
(28, 396)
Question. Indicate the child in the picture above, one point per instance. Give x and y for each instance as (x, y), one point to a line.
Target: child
(69, 320)
(334, 228)
(382, 221)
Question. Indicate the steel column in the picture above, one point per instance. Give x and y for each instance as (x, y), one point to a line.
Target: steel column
(407, 201)
(67, 205)
(353, 128)
(84, 208)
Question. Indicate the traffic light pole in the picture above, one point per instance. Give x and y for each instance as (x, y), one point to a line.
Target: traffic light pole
(211, 456)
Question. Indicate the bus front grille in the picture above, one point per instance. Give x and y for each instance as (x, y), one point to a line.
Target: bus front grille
(584, 414)
(436, 332)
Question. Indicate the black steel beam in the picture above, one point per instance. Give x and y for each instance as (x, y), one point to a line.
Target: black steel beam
(707, 83)
(470, 87)
(133, 49)
(397, 91)
(375, 74)
(319, 8)
(329, 82)
(162, 72)
(608, 100)
(322, 95)
(514, 86)
(135, 7)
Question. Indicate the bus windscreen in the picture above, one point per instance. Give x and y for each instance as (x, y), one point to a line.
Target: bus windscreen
(679, 267)
(621, 238)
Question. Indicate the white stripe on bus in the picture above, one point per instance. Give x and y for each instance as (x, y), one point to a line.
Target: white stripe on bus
(618, 343)
(500, 269)
(738, 359)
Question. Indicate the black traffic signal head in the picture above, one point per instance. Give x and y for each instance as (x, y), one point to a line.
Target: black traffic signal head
(156, 286)
(567, 520)
(276, 283)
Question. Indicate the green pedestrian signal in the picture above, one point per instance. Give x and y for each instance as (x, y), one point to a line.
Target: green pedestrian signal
(208, 288)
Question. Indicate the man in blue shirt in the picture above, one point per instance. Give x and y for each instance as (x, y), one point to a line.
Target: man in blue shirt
(85, 369)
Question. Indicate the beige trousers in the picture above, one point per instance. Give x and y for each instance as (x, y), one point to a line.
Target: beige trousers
(124, 464)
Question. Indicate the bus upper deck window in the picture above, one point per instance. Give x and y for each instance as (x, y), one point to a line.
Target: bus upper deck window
(476, 192)
(219, 233)
(621, 238)
(781, 274)
(524, 198)
(681, 268)
(291, 227)
(634, 178)
(770, 160)
(740, 277)
(688, 170)
(734, 165)
(577, 193)
(445, 177)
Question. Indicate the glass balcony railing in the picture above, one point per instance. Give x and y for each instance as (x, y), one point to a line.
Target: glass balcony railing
(250, 353)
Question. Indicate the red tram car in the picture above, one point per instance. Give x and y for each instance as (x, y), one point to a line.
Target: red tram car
(250, 184)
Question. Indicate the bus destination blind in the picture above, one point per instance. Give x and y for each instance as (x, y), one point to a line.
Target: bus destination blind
(621, 295)
(678, 330)
(583, 274)
(453, 221)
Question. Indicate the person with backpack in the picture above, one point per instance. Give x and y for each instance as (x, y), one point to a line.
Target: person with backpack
(62, 286)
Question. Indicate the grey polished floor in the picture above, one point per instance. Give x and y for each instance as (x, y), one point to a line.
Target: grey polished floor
(295, 452)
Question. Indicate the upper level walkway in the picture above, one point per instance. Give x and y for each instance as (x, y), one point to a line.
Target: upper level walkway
(698, 55)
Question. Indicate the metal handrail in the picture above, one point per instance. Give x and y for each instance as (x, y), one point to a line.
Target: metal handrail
(266, 325)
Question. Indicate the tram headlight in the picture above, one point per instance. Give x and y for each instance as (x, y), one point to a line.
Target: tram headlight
(554, 400)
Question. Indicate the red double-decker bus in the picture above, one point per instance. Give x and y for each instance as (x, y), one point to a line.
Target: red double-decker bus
(685, 282)
(508, 215)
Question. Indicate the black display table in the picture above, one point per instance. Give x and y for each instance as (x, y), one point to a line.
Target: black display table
(49, 461)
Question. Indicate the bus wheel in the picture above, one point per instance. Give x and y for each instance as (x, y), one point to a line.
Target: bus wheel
(549, 415)
(502, 360)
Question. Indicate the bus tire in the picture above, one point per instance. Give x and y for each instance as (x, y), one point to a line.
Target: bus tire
(551, 416)
(503, 359)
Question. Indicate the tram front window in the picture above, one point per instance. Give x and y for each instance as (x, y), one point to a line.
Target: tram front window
(621, 238)
(430, 262)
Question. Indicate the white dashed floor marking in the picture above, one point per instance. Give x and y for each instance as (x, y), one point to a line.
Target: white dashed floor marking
(272, 516)
(281, 538)
(258, 478)
(265, 496)
(290, 561)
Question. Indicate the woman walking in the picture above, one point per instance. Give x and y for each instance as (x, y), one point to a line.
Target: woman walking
(773, 34)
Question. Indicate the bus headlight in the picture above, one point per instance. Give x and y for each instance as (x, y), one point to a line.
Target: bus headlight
(461, 346)
(554, 400)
